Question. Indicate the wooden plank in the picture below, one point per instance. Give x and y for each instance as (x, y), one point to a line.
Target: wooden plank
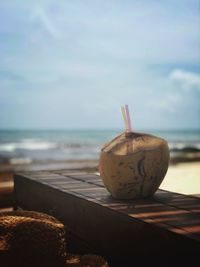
(119, 230)
(189, 203)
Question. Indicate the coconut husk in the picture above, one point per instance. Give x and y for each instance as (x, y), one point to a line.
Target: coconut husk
(31, 239)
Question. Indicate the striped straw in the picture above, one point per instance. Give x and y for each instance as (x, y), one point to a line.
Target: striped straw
(124, 117)
(128, 118)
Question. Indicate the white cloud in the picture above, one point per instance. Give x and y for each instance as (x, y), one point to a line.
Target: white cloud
(167, 103)
(187, 80)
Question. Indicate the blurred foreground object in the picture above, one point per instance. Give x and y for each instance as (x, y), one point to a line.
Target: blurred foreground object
(31, 239)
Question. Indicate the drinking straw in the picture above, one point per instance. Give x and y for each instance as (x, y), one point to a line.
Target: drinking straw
(124, 117)
(128, 118)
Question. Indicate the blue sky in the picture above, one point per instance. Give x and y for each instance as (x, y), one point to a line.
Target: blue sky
(72, 64)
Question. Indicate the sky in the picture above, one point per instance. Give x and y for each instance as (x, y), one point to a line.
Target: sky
(73, 64)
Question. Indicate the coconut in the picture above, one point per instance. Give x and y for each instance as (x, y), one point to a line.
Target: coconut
(133, 165)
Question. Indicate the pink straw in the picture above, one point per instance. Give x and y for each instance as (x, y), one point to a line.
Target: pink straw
(128, 118)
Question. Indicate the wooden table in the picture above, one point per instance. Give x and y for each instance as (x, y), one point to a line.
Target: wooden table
(147, 231)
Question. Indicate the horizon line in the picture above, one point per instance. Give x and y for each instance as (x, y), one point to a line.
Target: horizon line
(97, 129)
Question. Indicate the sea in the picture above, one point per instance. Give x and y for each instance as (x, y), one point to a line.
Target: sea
(40, 146)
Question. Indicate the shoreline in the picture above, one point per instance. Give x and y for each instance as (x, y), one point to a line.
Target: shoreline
(75, 163)
(48, 165)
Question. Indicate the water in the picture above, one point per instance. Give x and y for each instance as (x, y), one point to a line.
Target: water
(27, 146)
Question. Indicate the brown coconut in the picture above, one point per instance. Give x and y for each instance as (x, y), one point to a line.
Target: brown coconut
(133, 165)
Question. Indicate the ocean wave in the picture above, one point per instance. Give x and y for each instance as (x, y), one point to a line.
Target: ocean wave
(20, 161)
(34, 145)
(10, 147)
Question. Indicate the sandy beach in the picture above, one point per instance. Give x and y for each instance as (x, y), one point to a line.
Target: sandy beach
(183, 178)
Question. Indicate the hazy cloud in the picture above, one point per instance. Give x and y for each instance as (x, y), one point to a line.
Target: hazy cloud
(186, 79)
